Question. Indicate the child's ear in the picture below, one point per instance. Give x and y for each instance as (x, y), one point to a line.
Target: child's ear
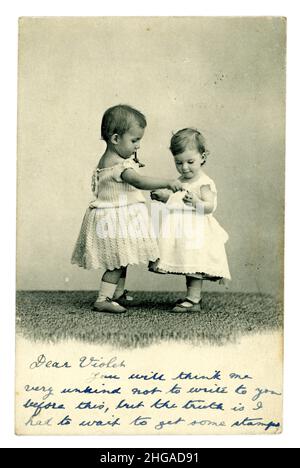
(203, 158)
(115, 138)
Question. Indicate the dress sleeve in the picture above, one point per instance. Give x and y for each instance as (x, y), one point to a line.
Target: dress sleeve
(212, 186)
(120, 168)
(210, 183)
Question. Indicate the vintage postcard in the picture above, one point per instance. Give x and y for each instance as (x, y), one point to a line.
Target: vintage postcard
(150, 221)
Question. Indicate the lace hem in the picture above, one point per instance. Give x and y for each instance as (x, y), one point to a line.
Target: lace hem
(190, 270)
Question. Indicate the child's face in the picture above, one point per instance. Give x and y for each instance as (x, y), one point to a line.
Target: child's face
(129, 142)
(188, 163)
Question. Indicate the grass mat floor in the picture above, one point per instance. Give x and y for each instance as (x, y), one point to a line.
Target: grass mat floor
(54, 316)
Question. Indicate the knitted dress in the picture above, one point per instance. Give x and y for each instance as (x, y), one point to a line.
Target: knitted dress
(116, 230)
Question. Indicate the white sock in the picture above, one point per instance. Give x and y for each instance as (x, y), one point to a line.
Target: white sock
(194, 292)
(120, 288)
(106, 290)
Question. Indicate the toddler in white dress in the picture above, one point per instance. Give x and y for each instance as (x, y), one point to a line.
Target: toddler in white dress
(191, 241)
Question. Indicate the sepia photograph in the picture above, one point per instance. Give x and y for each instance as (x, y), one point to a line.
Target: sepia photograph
(150, 225)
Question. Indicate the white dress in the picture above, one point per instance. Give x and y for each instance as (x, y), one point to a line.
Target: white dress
(192, 243)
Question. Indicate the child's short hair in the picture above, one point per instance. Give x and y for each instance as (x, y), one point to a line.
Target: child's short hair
(118, 119)
(187, 138)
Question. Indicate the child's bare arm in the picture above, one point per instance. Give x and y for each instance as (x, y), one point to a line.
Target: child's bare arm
(209, 198)
(149, 183)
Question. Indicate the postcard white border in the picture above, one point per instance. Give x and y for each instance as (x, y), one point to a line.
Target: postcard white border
(9, 15)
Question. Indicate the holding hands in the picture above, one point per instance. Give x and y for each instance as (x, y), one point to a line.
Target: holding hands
(161, 195)
(189, 198)
(175, 185)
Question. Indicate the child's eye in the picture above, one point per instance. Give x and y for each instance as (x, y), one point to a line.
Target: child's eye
(191, 162)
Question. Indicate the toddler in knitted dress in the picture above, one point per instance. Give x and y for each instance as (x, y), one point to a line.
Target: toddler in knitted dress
(116, 230)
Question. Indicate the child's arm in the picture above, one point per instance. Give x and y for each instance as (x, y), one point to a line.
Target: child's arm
(207, 200)
(149, 183)
(161, 195)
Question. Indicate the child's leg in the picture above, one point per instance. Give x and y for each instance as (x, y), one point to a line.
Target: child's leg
(121, 284)
(193, 297)
(194, 289)
(108, 284)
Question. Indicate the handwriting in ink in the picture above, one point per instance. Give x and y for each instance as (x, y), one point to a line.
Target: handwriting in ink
(175, 389)
(33, 421)
(98, 375)
(110, 377)
(153, 391)
(256, 422)
(94, 362)
(259, 406)
(65, 421)
(141, 421)
(90, 390)
(48, 391)
(197, 404)
(208, 385)
(88, 405)
(40, 406)
(159, 404)
(154, 376)
(163, 424)
(241, 407)
(190, 376)
(123, 404)
(207, 422)
(264, 391)
(239, 377)
(241, 390)
(42, 361)
(113, 423)
(208, 390)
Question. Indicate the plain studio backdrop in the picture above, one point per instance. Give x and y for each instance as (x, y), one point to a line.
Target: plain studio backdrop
(225, 76)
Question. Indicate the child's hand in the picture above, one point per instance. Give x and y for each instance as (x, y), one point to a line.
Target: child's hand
(175, 185)
(155, 195)
(191, 199)
(161, 195)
